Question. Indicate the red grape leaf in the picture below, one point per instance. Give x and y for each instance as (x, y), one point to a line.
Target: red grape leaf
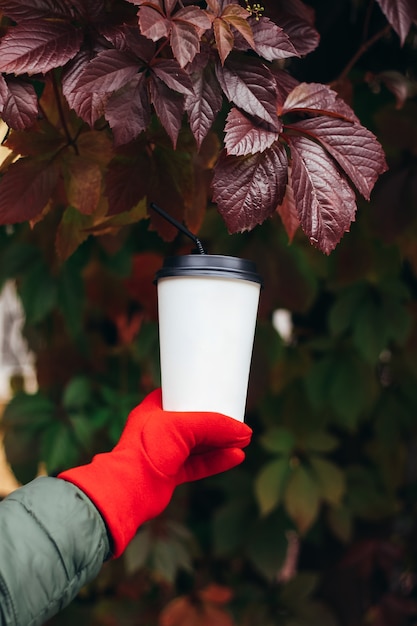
(37, 46)
(83, 184)
(325, 202)
(127, 177)
(185, 42)
(243, 136)
(195, 16)
(128, 110)
(25, 190)
(288, 210)
(249, 84)
(107, 72)
(89, 106)
(187, 26)
(271, 41)
(285, 84)
(169, 72)
(248, 189)
(298, 21)
(21, 105)
(224, 38)
(183, 29)
(400, 14)
(169, 107)
(238, 17)
(317, 98)
(153, 23)
(354, 147)
(302, 34)
(204, 103)
(18, 10)
(4, 92)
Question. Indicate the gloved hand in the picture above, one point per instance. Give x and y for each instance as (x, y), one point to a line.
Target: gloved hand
(157, 451)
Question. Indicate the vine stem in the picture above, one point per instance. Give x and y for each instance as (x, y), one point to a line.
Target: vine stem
(361, 51)
(70, 140)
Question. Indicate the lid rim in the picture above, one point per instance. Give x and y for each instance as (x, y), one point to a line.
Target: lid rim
(209, 265)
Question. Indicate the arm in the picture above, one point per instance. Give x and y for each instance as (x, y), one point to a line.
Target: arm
(52, 542)
(55, 533)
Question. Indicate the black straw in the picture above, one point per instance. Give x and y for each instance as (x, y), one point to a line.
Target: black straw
(179, 226)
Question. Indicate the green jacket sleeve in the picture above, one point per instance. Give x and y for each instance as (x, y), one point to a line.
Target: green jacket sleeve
(52, 542)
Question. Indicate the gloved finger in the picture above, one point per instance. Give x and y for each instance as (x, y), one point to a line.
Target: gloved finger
(199, 466)
(193, 427)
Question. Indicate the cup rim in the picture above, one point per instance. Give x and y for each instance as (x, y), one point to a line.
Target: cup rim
(208, 265)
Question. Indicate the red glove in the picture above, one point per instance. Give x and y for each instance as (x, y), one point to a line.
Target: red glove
(157, 451)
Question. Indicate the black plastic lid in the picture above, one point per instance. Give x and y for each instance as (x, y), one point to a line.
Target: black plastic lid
(209, 265)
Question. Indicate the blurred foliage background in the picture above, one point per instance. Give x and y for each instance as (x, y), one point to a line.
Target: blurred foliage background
(318, 526)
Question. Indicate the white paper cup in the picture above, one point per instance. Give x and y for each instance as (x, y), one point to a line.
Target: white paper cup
(207, 308)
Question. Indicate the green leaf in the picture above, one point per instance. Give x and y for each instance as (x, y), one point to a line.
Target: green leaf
(320, 442)
(29, 411)
(299, 589)
(22, 452)
(269, 484)
(71, 296)
(17, 258)
(58, 447)
(351, 388)
(266, 544)
(138, 550)
(278, 440)
(371, 330)
(330, 478)
(38, 292)
(339, 519)
(302, 498)
(77, 394)
(230, 526)
(342, 313)
(318, 381)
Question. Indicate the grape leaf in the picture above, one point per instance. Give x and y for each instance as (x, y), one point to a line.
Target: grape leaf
(169, 107)
(18, 10)
(83, 184)
(302, 498)
(25, 190)
(249, 84)
(324, 200)
(248, 189)
(37, 46)
(301, 33)
(243, 136)
(203, 104)
(238, 17)
(287, 210)
(269, 484)
(400, 14)
(127, 177)
(183, 29)
(4, 92)
(128, 110)
(330, 478)
(270, 41)
(168, 71)
(21, 105)
(285, 84)
(317, 98)
(152, 22)
(354, 147)
(108, 71)
(224, 38)
(89, 106)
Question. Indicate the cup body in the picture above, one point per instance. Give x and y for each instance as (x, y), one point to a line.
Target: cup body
(207, 308)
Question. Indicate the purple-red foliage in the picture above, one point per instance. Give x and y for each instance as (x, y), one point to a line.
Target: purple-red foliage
(296, 149)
